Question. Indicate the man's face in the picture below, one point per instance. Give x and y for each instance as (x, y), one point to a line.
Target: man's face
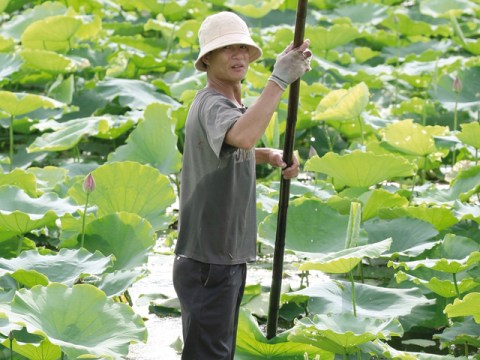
(229, 63)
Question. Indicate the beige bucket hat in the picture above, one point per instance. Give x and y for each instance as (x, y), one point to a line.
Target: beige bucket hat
(222, 29)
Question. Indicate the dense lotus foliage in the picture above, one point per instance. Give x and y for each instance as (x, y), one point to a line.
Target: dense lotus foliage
(384, 219)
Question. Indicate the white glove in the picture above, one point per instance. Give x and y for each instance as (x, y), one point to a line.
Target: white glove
(291, 64)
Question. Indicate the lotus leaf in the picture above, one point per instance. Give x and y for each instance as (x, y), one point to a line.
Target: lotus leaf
(364, 13)
(376, 200)
(465, 332)
(466, 184)
(255, 10)
(48, 177)
(135, 94)
(33, 347)
(307, 230)
(19, 213)
(38, 35)
(143, 145)
(412, 139)
(126, 236)
(21, 179)
(335, 297)
(131, 187)
(70, 133)
(253, 345)
(410, 236)
(17, 104)
(343, 333)
(343, 105)
(468, 306)
(17, 25)
(331, 37)
(117, 282)
(444, 265)
(439, 8)
(470, 134)
(345, 260)
(81, 320)
(11, 63)
(440, 217)
(67, 266)
(49, 61)
(360, 169)
(444, 288)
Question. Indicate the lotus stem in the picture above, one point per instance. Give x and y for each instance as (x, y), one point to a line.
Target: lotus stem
(11, 143)
(327, 135)
(455, 124)
(83, 221)
(361, 129)
(456, 285)
(10, 337)
(354, 304)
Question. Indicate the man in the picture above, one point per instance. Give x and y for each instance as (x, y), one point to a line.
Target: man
(217, 227)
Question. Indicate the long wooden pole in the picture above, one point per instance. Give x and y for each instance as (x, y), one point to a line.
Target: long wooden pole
(278, 255)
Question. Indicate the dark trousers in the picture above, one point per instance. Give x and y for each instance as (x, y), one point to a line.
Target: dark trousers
(210, 297)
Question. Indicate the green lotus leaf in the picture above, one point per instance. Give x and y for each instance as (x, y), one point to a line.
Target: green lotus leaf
(253, 345)
(49, 61)
(5, 325)
(34, 347)
(67, 266)
(55, 33)
(131, 187)
(126, 236)
(117, 282)
(135, 94)
(15, 27)
(405, 25)
(70, 133)
(411, 237)
(307, 227)
(360, 169)
(48, 177)
(467, 212)
(467, 98)
(29, 278)
(343, 105)
(11, 63)
(440, 217)
(143, 145)
(63, 89)
(369, 13)
(470, 134)
(343, 333)
(345, 260)
(376, 200)
(440, 8)
(451, 266)
(411, 138)
(11, 244)
(335, 297)
(465, 184)
(20, 213)
(21, 179)
(331, 38)
(17, 104)
(81, 319)
(468, 306)
(460, 333)
(442, 287)
(256, 9)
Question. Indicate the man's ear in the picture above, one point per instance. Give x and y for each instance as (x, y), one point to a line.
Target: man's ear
(206, 59)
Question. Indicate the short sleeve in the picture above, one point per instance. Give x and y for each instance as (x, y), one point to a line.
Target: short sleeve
(218, 116)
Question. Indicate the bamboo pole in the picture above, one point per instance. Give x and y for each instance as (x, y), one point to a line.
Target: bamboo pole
(278, 255)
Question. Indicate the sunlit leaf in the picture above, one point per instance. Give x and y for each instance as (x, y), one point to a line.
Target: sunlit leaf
(48, 177)
(21, 179)
(364, 13)
(470, 134)
(127, 237)
(378, 199)
(16, 104)
(117, 282)
(468, 306)
(80, 319)
(460, 333)
(256, 9)
(345, 260)
(11, 63)
(440, 217)
(341, 105)
(143, 146)
(48, 61)
(39, 35)
(343, 333)
(324, 39)
(67, 266)
(439, 8)
(360, 169)
(411, 138)
(253, 345)
(33, 347)
(131, 187)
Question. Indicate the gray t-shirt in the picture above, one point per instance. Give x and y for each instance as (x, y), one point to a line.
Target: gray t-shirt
(217, 196)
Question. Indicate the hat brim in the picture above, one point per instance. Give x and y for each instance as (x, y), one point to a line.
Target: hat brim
(229, 39)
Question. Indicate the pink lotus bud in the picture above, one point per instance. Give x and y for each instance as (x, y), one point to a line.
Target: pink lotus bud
(457, 85)
(89, 184)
